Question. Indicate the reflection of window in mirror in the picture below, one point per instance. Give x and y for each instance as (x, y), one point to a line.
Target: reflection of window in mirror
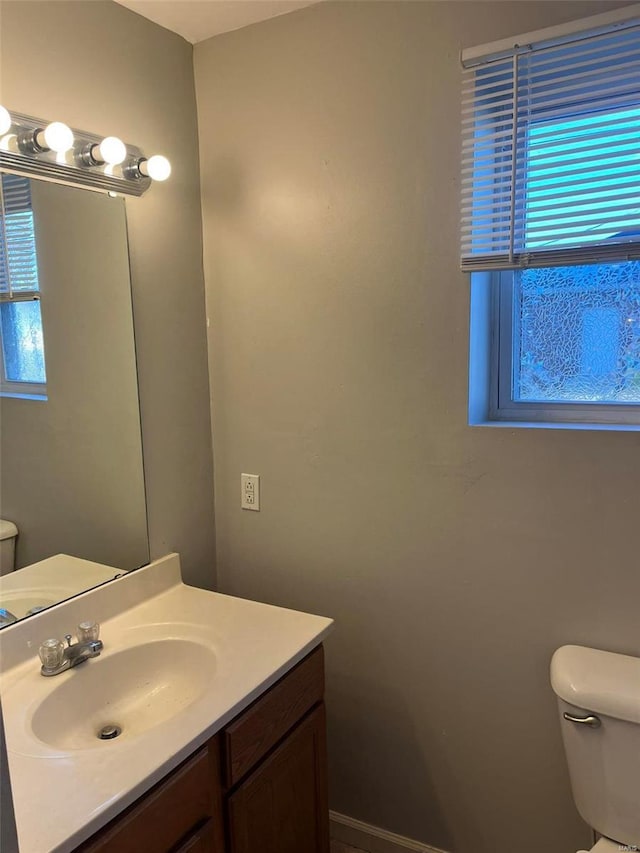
(22, 364)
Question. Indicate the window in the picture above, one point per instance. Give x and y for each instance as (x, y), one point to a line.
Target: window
(551, 229)
(22, 361)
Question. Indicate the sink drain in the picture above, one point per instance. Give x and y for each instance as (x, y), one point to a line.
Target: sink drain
(109, 732)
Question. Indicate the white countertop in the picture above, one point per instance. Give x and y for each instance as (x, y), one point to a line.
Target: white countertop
(61, 797)
(50, 581)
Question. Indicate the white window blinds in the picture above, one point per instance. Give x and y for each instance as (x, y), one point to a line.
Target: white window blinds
(551, 153)
(18, 262)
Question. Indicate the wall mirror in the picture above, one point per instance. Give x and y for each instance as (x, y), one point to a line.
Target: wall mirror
(71, 468)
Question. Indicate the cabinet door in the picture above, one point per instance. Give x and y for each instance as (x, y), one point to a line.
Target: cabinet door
(282, 807)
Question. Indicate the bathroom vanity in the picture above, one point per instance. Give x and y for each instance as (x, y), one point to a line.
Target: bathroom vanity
(220, 703)
(265, 773)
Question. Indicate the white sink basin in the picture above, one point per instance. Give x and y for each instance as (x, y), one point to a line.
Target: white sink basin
(136, 689)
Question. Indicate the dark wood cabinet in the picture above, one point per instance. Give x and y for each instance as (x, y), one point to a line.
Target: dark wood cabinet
(258, 786)
(282, 806)
(259, 728)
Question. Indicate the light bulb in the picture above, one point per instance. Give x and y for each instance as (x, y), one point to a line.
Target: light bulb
(158, 168)
(58, 137)
(112, 150)
(9, 142)
(5, 120)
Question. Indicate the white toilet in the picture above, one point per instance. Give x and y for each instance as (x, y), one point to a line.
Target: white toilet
(8, 534)
(599, 703)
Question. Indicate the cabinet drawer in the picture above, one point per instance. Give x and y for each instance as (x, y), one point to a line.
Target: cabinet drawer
(271, 716)
(202, 841)
(163, 817)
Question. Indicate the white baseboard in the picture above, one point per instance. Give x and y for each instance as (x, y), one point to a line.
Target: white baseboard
(372, 838)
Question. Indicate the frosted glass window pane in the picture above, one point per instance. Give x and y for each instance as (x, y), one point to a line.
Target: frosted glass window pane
(22, 342)
(577, 334)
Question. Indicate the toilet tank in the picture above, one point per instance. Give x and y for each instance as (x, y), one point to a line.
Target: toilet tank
(604, 759)
(8, 533)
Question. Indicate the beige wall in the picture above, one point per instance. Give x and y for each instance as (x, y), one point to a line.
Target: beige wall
(454, 559)
(101, 67)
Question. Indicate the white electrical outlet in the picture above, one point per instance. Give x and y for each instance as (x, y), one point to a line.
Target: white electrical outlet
(250, 491)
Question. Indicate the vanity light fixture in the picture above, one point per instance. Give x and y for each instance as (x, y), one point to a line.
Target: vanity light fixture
(31, 146)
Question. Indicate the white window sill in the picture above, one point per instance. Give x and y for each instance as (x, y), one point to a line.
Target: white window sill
(556, 425)
(21, 395)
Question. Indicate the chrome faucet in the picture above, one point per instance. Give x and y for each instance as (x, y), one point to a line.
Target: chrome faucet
(57, 658)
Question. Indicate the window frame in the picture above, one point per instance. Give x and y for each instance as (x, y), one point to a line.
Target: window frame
(494, 347)
(497, 306)
(23, 389)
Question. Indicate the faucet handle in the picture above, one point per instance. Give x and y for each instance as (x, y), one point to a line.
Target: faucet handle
(88, 632)
(51, 653)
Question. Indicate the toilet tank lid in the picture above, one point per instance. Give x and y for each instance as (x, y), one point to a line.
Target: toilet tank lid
(603, 682)
(7, 529)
